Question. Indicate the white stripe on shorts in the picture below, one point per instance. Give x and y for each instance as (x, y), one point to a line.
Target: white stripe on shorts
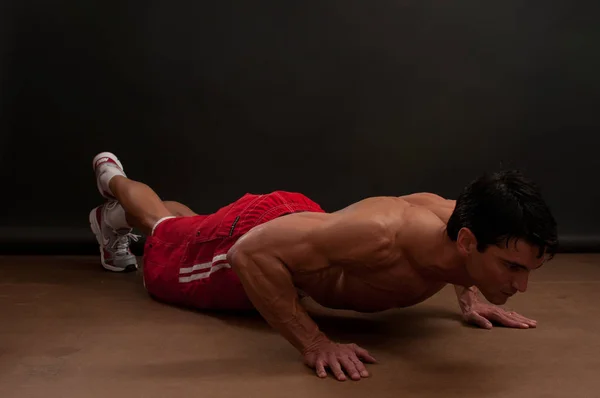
(207, 267)
(158, 222)
(203, 275)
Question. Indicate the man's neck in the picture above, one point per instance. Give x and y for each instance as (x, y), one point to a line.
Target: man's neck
(448, 263)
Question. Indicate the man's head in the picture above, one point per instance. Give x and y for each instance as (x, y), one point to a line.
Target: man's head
(504, 229)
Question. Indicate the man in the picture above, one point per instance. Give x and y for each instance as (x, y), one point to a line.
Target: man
(264, 251)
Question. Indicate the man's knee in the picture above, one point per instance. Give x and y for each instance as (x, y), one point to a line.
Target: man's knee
(179, 209)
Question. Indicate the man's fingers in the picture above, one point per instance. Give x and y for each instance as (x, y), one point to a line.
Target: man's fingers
(530, 322)
(478, 320)
(507, 320)
(350, 368)
(336, 368)
(363, 354)
(320, 368)
(340, 360)
(359, 366)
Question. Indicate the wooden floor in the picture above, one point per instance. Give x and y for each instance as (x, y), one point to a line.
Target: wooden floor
(70, 329)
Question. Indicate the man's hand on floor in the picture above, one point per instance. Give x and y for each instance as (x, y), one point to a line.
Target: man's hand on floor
(483, 314)
(341, 359)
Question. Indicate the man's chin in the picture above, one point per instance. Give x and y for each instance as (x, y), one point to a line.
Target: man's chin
(497, 299)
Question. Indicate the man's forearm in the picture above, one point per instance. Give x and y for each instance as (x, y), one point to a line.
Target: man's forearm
(461, 289)
(269, 286)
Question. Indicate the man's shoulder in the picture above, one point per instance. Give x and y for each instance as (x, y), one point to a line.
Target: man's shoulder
(370, 206)
(424, 198)
(419, 222)
(418, 214)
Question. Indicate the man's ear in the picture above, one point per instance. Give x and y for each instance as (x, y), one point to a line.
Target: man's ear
(467, 242)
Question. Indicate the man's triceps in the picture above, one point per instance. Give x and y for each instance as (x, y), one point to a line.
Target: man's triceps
(269, 285)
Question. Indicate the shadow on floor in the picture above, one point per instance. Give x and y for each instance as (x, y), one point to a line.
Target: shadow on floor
(406, 342)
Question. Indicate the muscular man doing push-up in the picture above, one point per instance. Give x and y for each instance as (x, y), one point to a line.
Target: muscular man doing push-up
(379, 253)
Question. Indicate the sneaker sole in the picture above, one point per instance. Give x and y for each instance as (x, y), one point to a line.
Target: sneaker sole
(96, 230)
(105, 155)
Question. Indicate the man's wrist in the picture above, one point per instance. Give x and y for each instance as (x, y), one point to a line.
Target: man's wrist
(316, 341)
(467, 296)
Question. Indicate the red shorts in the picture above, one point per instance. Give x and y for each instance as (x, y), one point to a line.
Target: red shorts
(185, 258)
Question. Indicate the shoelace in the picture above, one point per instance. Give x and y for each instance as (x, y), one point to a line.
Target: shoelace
(121, 244)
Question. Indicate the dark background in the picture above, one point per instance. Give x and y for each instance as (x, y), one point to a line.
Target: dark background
(340, 100)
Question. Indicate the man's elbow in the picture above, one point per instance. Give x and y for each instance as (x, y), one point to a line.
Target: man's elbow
(234, 256)
(239, 254)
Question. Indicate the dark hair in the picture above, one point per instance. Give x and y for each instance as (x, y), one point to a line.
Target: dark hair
(502, 206)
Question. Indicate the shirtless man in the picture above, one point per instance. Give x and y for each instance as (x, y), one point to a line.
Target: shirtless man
(379, 253)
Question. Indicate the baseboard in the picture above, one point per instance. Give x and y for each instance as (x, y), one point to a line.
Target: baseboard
(80, 241)
(579, 243)
(53, 241)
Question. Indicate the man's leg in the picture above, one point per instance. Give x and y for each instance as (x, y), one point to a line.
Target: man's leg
(179, 209)
(141, 205)
(131, 204)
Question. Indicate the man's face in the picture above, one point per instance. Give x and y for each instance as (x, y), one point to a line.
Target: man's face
(503, 270)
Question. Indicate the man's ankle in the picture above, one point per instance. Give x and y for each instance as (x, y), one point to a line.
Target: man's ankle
(115, 216)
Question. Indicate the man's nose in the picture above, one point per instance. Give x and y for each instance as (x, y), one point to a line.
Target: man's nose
(520, 282)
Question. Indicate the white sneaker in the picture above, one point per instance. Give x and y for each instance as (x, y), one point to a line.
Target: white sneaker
(105, 159)
(115, 253)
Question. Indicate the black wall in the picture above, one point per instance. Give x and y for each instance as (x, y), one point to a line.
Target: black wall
(337, 99)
